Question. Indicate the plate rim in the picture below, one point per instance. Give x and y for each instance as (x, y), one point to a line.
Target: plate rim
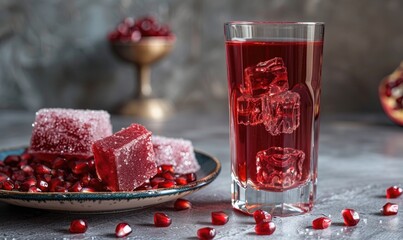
(123, 195)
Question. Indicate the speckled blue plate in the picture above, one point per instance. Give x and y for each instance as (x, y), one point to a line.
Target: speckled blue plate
(101, 202)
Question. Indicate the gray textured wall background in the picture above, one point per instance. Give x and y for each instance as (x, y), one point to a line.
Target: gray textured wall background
(55, 53)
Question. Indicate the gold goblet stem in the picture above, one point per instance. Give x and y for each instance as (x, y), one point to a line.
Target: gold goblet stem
(144, 75)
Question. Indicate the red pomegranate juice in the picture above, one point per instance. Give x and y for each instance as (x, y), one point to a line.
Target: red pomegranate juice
(274, 91)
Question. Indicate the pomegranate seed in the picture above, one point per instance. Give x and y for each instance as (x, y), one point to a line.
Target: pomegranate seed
(260, 215)
(219, 218)
(18, 176)
(71, 177)
(78, 226)
(96, 184)
(60, 189)
(321, 223)
(12, 160)
(59, 163)
(159, 170)
(17, 185)
(34, 189)
(390, 209)
(42, 169)
(28, 170)
(168, 176)
(88, 190)
(3, 177)
(43, 185)
(123, 229)
(351, 217)
(85, 179)
(80, 167)
(265, 228)
(91, 164)
(8, 185)
(191, 177)
(393, 192)
(26, 157)
(206, 233)
(28, 183)
(67, 184)
(55, 182)
(167, 184)
(157, 180)
(76, 187)
(162, 220)
(182, 204)
(181, 181)
(167, 168)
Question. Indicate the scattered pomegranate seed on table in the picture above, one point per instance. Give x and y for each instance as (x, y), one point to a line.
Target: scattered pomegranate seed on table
(219, 218)
(182, 204)
(206, 233)
(265, 228)
(78, 226)
(162, 220)
(393, 192)
(390, 209)
(350, 217)
(123, 229)
(261, 215)
(321, 223)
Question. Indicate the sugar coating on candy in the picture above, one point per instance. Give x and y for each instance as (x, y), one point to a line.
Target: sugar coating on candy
(125, 160)
(69, 132)
(177, 152)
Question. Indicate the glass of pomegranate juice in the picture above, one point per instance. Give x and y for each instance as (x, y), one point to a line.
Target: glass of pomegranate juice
(274, 75)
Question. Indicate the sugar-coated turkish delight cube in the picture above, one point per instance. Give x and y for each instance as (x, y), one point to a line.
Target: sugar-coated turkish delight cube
(177, 152)
(68, 132)
(125, 160)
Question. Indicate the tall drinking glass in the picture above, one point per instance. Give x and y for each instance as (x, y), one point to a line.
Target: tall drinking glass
(274, 75)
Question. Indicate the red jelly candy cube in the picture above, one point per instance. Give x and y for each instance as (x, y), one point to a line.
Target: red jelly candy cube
(176, 152)
(125, 160)
(67, 132)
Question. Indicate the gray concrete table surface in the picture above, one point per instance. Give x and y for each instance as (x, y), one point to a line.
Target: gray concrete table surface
(359, 157)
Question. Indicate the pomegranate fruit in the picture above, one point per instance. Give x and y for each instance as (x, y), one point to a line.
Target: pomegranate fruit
(182, 204)
(219, 218)
(78, 226)
(265, 228)
(162, 220)
(206, 233)
(350, 217)
(390, 209)
(393, 192)
(260, 215)
(321, 223)
(391, 95)
(122, 230)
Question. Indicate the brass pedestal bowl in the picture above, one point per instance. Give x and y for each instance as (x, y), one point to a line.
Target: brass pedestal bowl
(142, 54)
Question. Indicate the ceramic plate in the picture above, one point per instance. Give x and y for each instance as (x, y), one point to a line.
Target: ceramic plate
(102, 202)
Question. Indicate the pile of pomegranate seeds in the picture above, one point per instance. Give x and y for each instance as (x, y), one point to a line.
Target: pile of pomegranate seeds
(264, 224)
(123, 229)
(321, 223)
(390, 209)
(206, 233)
(182, 204)
(219, 218)
(393, 192)
(27, 173)
(78, 226)
(162, 220)
(350, 217)
(130, 30)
